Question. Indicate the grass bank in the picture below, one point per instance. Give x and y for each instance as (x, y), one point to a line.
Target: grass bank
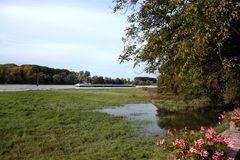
(60, 124)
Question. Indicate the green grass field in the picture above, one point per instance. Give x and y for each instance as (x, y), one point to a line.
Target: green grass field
(61, 124)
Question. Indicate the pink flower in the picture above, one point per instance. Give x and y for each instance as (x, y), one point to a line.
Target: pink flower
(219, 154)
(230, 158)
(179, 142)
(193, 150)
(211, 131)
(208, 136)
(214, 157)
(218, 139)
(169, 132)
(229, 142)
(202, 130)
(235, 115)
(192, 132)
(199, 142)
(199, 153)
(160, 142)
(210, 143)
(204, 153)
(235, 118)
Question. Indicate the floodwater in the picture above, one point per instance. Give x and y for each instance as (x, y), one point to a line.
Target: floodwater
(153, 122)
(22, 87)
(145, 113)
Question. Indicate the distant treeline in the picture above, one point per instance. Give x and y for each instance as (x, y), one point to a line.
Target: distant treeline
(28, 74)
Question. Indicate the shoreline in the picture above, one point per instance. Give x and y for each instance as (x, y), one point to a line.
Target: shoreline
(27, 87)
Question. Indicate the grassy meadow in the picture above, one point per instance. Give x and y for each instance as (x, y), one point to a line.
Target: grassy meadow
(61, 124)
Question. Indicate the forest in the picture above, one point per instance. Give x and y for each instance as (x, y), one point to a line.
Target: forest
(28, 74)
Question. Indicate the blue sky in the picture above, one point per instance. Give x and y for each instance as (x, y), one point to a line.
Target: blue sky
(72, 34)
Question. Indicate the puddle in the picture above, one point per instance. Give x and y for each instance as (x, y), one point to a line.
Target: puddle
(144, 116)
(148, 120)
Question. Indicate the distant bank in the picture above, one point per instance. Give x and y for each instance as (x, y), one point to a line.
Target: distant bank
(35, 74)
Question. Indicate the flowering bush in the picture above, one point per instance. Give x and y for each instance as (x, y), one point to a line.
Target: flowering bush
(205, 144)
(233, 117)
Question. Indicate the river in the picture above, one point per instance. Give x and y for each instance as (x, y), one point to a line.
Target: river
(23, 87)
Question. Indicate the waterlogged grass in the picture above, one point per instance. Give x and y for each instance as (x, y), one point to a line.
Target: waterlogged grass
(60, 124)
(169, 105)
(168, 102)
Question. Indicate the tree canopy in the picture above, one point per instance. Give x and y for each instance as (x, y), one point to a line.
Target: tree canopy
(28, 74)
(193, 44)
(144, 80)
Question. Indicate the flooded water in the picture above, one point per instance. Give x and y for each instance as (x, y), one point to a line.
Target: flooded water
(22, 87)
(150, 121)
(145, 114)
(192, 119)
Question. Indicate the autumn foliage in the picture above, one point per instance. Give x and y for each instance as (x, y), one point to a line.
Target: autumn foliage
(27, 74)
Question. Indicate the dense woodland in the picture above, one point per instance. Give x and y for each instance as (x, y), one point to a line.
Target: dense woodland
(193, 45)
(28, 74)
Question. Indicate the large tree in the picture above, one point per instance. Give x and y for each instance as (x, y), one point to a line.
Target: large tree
(192, 43)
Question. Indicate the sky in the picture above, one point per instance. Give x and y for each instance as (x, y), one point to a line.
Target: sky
(71, 34)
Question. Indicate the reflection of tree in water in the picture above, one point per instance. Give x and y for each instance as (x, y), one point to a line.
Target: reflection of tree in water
(191, 119)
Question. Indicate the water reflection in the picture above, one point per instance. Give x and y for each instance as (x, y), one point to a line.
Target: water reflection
(144, 117)
(190, 119)
(154, 121)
